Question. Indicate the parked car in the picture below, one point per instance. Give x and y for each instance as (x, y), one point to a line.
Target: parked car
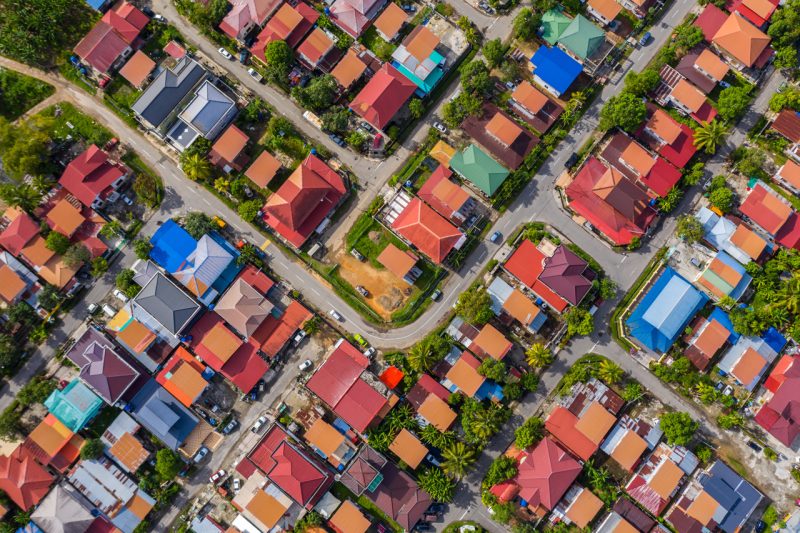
(362, 291)
(262, 386)
(255, 75)
(92, 309)
(496, 237)
(761, 526)
(437, 508)
(305, 365)
(159, 18)
(369, 352)
(200, 455)
(728, 390)
(224, 53)
(358, 255)
(755, 447)
(335, 314)
(571, 160)
(230, 427)
(299, 337)
(243, 55)
(439, 126)
(121, 296)
(127, 199)
(217, 477)
(645, 39)
(259, 424)
(109, 311)
(424, 526)
(237, 484)
(409, 8)
(436, 296)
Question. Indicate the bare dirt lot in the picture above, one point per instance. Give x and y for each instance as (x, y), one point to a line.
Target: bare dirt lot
(387, 292)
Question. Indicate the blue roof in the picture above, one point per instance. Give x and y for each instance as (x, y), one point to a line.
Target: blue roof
(425, 86)
(555, 67)
(665, 310)
(75, 405)
(774, 339)
(171, 246)
(96, 4)
(723, 318)
(738, 497)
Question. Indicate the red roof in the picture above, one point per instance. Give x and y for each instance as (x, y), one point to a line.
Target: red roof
(442, 194)
(766, 209)
(781, 415)
(562, 425)
(682, 149)
(789, 234)
(759, 19)
(256, 279)
(175, 50)
(304, 200)
(778, 374)
(710, 21)
(290, 24)
(22, 479)
(428, 231)
(662, 177)
(18, 233)
(610, 202)
(787, 123)
(89, 175)
(246, 13)
(383, 96)
(526, 264)
(275, 332)
(127, 20)
(245, 367)
(101, 47)
(545, 474)
(424, 387)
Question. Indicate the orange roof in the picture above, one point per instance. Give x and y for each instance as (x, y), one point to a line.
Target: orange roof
(725, 272)
(664, 126)
(749, 365)
(51, 435)
(629, 450)
(315, 46)
(37, 252)
(688, 95)
(397, 261)
(437, 412)
(421, 43)
(623, 526)
(741, 39)
(638, 158)
(137, 336)
(230, 144)
(790, 173)
(129, 452)
(491, 341)
(183, 377)
(521, 307)
(138, 67)
(762, 8)
(391, 20)
(443, 153)
(596, 422)
(263, 169)
(503, 129)
(139, 506)
(350, 68)
(712, 338)
(348, 518)
(608, 9)
(11, 284)
(221, 342)
(711, 63)
(703, 508)
(65, 217)
(529, 96)
(266, 508)
(584, 508)
(666, 479)
(748, 241)
(465, 377)
(55, 272)
(408, 448)
(324, 437)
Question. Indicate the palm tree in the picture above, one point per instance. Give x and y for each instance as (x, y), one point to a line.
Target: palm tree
(483, 427)
(42, 183)
(20, 195)
(609, 372)
(436, 438)
(196, 167)
(421, 357)
(708, 136)
(538, 355)
(457, 459)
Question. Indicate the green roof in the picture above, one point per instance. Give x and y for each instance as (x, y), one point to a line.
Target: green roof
(582, 38)
(554, 22)
(478, 167)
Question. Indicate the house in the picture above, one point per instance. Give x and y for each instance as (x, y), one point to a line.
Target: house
(554, 70)
(787, 124)
(162, 415)
(534, 107)
(581, 39)
(355, 16)
(710, 20)
(390, 22)
(352, 392)
(418, 60)
(610, 202)
(164, 308)
(724, 276)
(743, 45)
(477, 167)
(209, 268)
(668, 138)
(53, 444)
(290, 24)
(111, 492)
(171, 247)
(554, 23)
(137, 69)
(121, 443)
(22, 479)
(67, 215)
(463, 376)
(262, 505)
(629, 440)
(245, 15)
(639, 8)
(604, 11)
(263, 169)
(286, 463)
(704, 69)
(690, 100)
(208, 113)
(789, 176)
(278, 328)
(63, 510)
(427, 231)
(436, 411)
(780, 415)
(300, 206)
(315, 48)
(500, 135)
(614, 523)
(446, 197)
(718, 499)
(736, 239)
(401, 263)
(580, 433)
(707, 338)
(349, 69)
(330, 443)
(408, 448)
(639, 165)
(183, 376)
(772, 214)
(579, 506)
(174, 50)
(348, 518)
(74, 405)
(756, 11)
(103, 369)
(244, 307)
(510, 304)
(17, 282)
(660, 477)
(226, 152)
(442, 153)
(93, 179)
(749, 358)
(112, 39)
(490, 343)
(383, 96)
(583, 395)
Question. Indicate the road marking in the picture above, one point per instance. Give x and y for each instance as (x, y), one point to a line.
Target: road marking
(624, 258)
(206, 202)
(465, 512)
(267, 242)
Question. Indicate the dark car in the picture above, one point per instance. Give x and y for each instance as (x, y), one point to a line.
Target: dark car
(571, 160)
(761, 526)
(424, 526)
(754, 446)
(230, 427)
(436, 508)
(645, 39)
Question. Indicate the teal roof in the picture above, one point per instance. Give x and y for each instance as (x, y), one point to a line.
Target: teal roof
(554, 22)
(431, 80)
(75, 405)
(478, 167)
(582, 38)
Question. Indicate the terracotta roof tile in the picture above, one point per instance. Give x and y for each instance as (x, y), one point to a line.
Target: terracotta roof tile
(129, 452)
(391, 20)
(437, 412)
(491, 342)
(748, 366)
(221, 341)
(629, 450)
(664, 126)
(712, 338)
(423, 227)
(137, 68)
(503, 129)
(666, 479)
(397, 261)
(348, 518)
(608, 9)
(349, 69)
(230, 144)
(741, 39)
(266, 509)
(11, 284)
(790, 173)
(521, 308)
(703, 508)
(530, 97)
(638, 158)
(748, 241)
(711, 63)
(65, 217)
(263, 169)
(324, 437)
(408, 448)
(688, 95)
(584, 508)
(315, 46)
(421, 42)
(464, 375)
(596, 422)
(442, 152)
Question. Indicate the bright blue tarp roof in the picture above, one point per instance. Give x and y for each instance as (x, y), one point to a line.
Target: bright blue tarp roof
(555, 67)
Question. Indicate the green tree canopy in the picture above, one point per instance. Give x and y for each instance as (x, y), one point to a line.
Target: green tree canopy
(689, 228)
(475, 78)
(20, 195)
(709, 135)
(336, 120)
(493, 369)
(416, 108)
(529, 433)
(249, 210)
(788, 98)
(579, 321)
(784, 26)
(92, 449)
(678, 427)
(526, 24)
(279, 58)
(437, 484)
(721, 198)
(319, 94)
(625, 111)
(786, 57)
(77, 255)
(197, 224)
(57, 242)
(732, 102)
(196, 167)
(642, 83)
(168, 464)
(475, 305)
(142, 248)
(494, 51)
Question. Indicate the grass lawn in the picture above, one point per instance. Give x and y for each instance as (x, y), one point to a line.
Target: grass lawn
(377, 44)
(343, 493)
(147, 185)
(71, 73)
(358, 238)
(19, 93)
(81, 125)
(119, 95)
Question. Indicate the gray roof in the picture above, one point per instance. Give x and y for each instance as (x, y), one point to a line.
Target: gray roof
(166, 303)
(737, 497)
(207, 108)
(162, 415)
(63, 510)
(162, 96)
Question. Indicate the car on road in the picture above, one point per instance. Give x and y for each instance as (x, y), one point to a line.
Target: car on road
(230, 427)
(224, 53)
(761, 526)
(259, 424)
(305, 365)
(200, 455)
(755, 447)
(436, 296)
(362, 291)
(255, 75)
(217, 477)
(262, 386)
(424, 526)
(92, 309)
(121, 296)
(237, 484)
(335, 314)
(645, 39)
(496, 237)
(243, 55)
(439, 126)
(571, 160)
(160, 18)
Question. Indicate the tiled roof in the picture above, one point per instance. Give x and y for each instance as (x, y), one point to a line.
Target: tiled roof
(688, 95)
(245, 13)
(545, 474)
(230, 144)
(383, 96)
(22, 229)
(530, 97)
(490, 342)
(89, 174)
(137, 68)
(526, 264)
(101, 47)
(391, 20)
(408, 448)
(437, 412)
(787, 123)
(243, 307)
(427, 230)
(479, 168)
(22, 479)
(608, 9)
(315, 46)
(766, 208)
(664, 126)
(350, 67)
(710, 21)
(711, 63)
(348, 518)
(741, 39)
(464, 375)
(397, 261)
(182, 376)
(263, 169)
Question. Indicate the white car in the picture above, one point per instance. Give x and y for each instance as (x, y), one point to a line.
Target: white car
(201, 454)
(335, 314)
(224, 53)
(255, 75)
(259, 424)
(121, 296)
(237, 484)
(439, 126)
(305, 365)
(160, 18)
(370, 351)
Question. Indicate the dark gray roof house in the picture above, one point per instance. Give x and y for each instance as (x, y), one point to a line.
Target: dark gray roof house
(162, 415)
(163, 306)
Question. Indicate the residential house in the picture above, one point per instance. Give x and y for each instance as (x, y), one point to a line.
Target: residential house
(490, 343)
(583, 395)
(137, 69)
(780, 415)
(162, 415)
(290, 24)
(164, 308)
(639, 8)
(53, 444)
(227, 151)
(330, 443)
(262, 505)
(690, 100)
(640, 166)
(418, 60)
(479, 169)
(139, 340)
(579, 506)
(442, 153)
(534, 107)
(668, 138)
(427, 231)
(63, 510)
(122, 445)
(401, 263)
(554, 70)
(112, 39)
(704, 69)
(749, 358)
(787, 124)
(408, 448)
(74, 405)
(263, 169)
(707, 338)
(349, 69)
(734, 238)
(604, 11)
(429, 398)
(789, 176)
(209, 268)
(383, 97)
(772, 214)
(246, 15)
(67, 215)
(463, 377)
(510, 304)
(610, 202)
(22, 479)
(582, 39)
(724, 276)
(94, 179)
(614, 523)
(710, 20)
(743, 45)
(17, 282)
(313, 51)
(206, 115)
(629, 440)
(171, 247)
(554, 23)
(184, 377)
(718, 499)
(583, 432)
(244, 307)
(664, 311)
(660, 477)
(390, 22)
(756, 11)
(355, 16)
(500, 135)
(348, 518)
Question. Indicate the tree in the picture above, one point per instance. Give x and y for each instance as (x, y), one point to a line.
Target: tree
(168, 464)
(22, 313)
(631, 391)
(196, 167)
(49, 297)
(455, 111)
(538, 355)
(695, 174)
(788, 98)
(610, 372)
(786, 57)
(475, 78)
(57, 242)
(669, 202)
(416, 108)
(35, 391)
(437, 484)
(9, 424)
(197, 224)
(706, 392)
(438, 439)
(125, 283)
(424, 355)
(77, 255)
(319, 94)
(526, 24)
(709, 135)
(689, 228)
(502, 468)
(142, 249)
(732, 102)
(20, 195)
(530, 381)
(92, 449)
(730, 421)
(721, 198)
(687, 36)
(642, 83)
(356, 140)
(279, 57)
(336, 121)
(625, 111)
(529, 433)
(458, 457)
(494, 51)
(579, 321)
(678, 427)
(784, 27)
(751, 161)
(493, 369)
(475, 305)
(703, 453)
(249, 210)
(99, 266)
